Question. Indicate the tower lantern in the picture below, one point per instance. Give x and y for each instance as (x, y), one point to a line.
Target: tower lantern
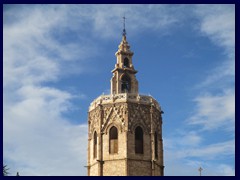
(124, 79)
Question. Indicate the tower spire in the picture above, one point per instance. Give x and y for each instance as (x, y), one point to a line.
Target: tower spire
(124, 30)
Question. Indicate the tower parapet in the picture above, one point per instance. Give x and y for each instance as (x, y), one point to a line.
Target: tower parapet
(124, 97)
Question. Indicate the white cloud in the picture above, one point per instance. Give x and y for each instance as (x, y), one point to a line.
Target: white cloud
(185, 151)
(215, 106)
(38, 43)
(182, 159)
(214, 111)
(217, 22)
(107, 20)
(190, 168)
(214, 150)
(206, 152)
(38, 140)
(226, 170)
(183, 138)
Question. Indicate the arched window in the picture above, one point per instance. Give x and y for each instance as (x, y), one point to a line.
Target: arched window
(95, 145)
(126, 63)
(139, 140)
(126, 83)
(156, 144)
(113, 140)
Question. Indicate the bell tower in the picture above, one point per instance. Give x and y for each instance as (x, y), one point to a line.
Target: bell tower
(125, 128)
(124, 79)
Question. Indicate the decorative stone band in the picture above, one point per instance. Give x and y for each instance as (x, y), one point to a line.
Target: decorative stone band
(124, 97)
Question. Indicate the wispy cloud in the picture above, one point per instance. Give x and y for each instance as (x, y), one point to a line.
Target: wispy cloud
(214, 108)
(226, 170)
(36, 132)
(213, 150)
(189, 150)
(215, 111)
(183, 159)
(191, 139)
(218, 24)
(106, 19)
(190, 168)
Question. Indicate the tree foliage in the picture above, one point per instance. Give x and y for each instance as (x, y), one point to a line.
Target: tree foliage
(5, 170)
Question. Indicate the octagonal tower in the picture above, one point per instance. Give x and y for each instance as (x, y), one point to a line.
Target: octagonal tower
(125, 128)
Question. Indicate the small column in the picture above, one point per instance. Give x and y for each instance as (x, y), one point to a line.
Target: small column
(152, 141)
(100, 144)
(88, 163)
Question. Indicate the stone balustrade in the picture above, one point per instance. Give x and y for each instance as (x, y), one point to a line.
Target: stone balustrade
(124, 97)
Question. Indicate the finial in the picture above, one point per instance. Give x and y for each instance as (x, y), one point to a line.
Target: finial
(124, 30)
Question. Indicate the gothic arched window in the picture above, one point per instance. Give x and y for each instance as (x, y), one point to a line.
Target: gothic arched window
(126, 62)
(95, 145)
(113, 140)
(139, 140)
(126, 83)
(156, 144)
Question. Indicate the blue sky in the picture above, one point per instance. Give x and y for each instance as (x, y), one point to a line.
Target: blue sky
(58, 58)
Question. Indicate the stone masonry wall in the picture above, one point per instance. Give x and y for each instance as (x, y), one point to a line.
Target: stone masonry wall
(114, 168)
(139, 168)
(126, 117)
(94, 170)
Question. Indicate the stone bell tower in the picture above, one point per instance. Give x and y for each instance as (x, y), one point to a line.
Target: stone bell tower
(125, 128)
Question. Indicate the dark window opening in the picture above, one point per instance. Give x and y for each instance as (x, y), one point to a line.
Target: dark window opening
(139, 140)
(156, 144)
(126, 84)
(126, 63)
(113, 140)
(95, 145)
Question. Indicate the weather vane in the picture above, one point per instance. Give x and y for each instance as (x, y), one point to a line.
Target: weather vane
(124, 30)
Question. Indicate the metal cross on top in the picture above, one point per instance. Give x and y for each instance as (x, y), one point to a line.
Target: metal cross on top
(200, 171)
(124, 30)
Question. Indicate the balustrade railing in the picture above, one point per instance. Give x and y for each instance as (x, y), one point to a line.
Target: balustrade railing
(124, 97)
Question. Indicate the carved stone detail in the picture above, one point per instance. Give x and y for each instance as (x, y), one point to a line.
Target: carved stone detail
(139, 115)
(156, 120)
(126, 116)
(116, 114)
(94, 118)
